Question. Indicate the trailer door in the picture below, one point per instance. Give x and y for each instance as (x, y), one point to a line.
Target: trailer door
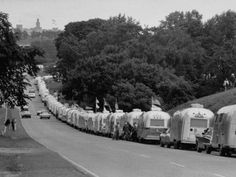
(197, 126)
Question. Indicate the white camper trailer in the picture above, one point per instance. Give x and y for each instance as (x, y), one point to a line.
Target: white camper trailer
(187, 123)
(101, 122)
(113, 119)
(131, 117)
(91, 121)
(224, 132)
(151, 124)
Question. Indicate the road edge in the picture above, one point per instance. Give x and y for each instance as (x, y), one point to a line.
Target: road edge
(79, 167)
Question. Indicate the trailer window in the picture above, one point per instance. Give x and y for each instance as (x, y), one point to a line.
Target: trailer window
(157, 122)
(104, 121)
(200, 123)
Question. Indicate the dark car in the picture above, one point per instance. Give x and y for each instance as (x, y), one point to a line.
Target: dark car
(25, 114)
(44, 114)
(202, 141)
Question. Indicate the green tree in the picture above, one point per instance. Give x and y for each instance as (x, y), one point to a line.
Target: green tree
(50, 52)
(118, 59)
(15, 61)
(218, 40)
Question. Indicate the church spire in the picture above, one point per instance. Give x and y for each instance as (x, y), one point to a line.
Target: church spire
(37, 24)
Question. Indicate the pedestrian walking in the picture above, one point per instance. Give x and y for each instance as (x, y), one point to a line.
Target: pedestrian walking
(6, 125)
(116, 133)
(13, 124)
(232, 80)
(134, 132)
(226, 84)
(126, 131)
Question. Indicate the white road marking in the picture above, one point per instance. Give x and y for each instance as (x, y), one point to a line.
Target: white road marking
(145, 156)
(80, 167)
(177, 164)
(218, 175)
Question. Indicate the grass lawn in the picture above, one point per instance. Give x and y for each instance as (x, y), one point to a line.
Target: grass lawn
(213, 102)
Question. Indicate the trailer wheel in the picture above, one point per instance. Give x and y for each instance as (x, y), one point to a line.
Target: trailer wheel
(140, 140)
(222, 152)
(198, 148)
(161, 143)
(228, 154)
(176, 145)
(208, 149)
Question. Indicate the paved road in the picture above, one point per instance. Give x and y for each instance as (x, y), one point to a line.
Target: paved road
(107, 158)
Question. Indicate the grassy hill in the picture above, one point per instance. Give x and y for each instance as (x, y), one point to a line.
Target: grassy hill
(212, 102)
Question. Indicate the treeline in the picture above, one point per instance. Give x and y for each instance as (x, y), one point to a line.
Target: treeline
(16, 62)
(44, 40)
(181, 59)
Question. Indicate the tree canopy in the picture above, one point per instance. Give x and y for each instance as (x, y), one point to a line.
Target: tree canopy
(15, 61)
(117, 59)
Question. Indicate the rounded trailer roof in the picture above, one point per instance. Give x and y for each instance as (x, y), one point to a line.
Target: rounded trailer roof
(227, 109)
(134, 114)
(193, 112)
(102, 115)
(156, 115)
(117, 114)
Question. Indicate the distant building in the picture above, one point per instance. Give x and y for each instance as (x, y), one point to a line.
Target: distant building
(28, 30)
(55, 29)
(37, 28)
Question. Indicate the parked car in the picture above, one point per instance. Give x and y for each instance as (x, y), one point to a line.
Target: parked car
(44, 115)
(25, 108)
(25, 114)
(204, 140)
(39, 112)
(31, 93)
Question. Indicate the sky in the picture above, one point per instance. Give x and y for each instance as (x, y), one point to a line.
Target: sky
(58, 13)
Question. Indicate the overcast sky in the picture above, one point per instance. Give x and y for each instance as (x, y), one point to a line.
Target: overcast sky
(58, 13)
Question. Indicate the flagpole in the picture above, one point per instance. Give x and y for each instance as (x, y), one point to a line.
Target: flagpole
(106, 104)
(96, 104)
(116, 105)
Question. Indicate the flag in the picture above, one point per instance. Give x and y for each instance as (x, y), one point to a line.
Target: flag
(116, 105)
(107, 107)
(105, 110)
(97, 102)
(156, 105)
(156, 102)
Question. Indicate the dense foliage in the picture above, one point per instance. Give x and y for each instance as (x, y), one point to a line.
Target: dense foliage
(50, 52)
(181, 59)
(44, 40)
(15, 61)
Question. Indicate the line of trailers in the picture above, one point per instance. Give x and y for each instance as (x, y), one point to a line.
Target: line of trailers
(195, 127)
